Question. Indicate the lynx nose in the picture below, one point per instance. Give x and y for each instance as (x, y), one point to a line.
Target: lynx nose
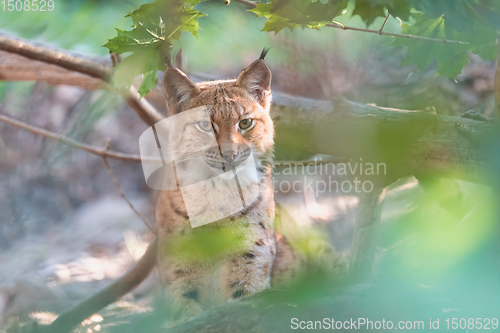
(229, 155)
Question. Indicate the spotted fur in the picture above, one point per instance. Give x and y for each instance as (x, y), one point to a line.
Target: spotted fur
(193, 284)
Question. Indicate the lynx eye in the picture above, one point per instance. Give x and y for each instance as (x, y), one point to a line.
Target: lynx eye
(246, 124)
(204, 126)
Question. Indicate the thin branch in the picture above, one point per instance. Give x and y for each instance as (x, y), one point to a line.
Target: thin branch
(118, 186)
(337, 25)
(378, 32)
(383, 25)
(70, 142)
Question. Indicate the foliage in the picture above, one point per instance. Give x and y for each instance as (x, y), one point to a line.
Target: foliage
(299, 13)
(155, 26)
(465, 20)
(473, 22)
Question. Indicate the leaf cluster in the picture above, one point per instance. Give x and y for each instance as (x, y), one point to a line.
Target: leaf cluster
(155, 27)
(299, 13)
(475, 23)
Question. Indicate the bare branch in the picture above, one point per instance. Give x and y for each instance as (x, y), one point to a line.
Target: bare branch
(497, 85)
(70, 142)
(383, 25)
(79, 64)
(118, 186)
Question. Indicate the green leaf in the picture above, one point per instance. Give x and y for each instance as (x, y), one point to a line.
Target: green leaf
(449, 58)
(460, 20)
(369, 10)
(155, 26)
(298, 13)
(462, 15)
(149, 81)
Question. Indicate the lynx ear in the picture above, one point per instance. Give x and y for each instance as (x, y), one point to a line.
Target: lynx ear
(178, 88)
(256, 79)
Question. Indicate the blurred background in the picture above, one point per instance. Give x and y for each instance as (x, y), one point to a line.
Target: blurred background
(65, 232)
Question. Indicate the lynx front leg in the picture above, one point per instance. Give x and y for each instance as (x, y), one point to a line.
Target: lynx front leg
(186, 289)
(249, 272)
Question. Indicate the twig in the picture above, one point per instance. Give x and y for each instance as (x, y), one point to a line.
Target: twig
(378, 32)
(383, 25)
(253, 4)
(118, 186)
(144, 110)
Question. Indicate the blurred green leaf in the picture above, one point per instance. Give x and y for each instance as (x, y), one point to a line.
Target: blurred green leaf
(208, 243)
(450, 58)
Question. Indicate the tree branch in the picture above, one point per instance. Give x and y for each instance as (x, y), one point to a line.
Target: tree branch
(70, 142)
(383, 25)
(79, 64)
(42, 53)
(119, 187)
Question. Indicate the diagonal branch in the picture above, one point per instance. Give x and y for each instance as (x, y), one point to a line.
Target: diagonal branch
(119, 187)
(70, 142)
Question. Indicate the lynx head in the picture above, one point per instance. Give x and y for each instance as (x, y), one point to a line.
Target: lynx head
(237, 123)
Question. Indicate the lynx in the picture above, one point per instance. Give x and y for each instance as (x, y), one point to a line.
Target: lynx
(256, 257)
(238, 118)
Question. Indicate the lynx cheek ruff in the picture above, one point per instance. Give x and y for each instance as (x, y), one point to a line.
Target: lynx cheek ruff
(168, 165)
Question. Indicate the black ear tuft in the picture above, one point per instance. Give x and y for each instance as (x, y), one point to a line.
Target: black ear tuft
(256, 80)
(264, 53)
